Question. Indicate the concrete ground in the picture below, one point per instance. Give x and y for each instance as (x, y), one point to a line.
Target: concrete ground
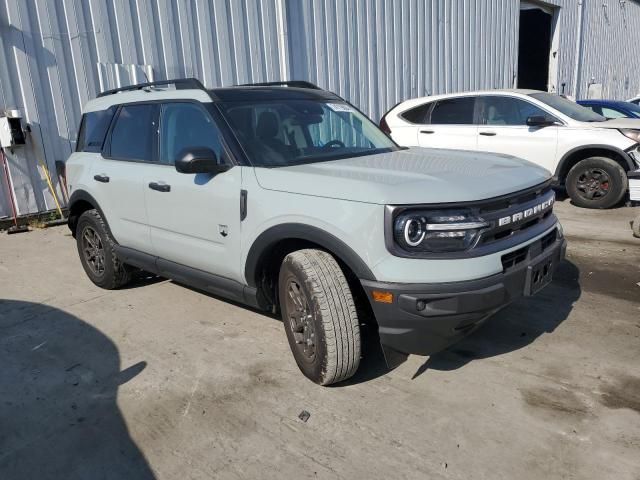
(160, 381)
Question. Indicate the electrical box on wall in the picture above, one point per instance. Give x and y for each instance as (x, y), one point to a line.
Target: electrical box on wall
(11, 131)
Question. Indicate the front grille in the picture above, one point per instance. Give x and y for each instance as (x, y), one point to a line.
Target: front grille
(548, 240)
(516, 214)
(512, 259)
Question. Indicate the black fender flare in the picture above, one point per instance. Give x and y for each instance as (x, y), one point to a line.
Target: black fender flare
(299, 231)
(82, 195)
(561, 164)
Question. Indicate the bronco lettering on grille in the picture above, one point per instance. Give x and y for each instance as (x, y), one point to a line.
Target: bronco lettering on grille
(516, 217)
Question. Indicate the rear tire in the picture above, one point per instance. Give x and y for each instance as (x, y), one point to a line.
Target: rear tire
(319, 316)
(97, 252)
(596, 182)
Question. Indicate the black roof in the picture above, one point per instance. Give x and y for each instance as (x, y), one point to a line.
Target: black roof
(266, 93)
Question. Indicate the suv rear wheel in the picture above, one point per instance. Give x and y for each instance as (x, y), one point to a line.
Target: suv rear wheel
(596, 182)
(319, 316)
(97, 253)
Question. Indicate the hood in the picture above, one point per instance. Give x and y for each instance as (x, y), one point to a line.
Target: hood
(416, 175)
(618, 123)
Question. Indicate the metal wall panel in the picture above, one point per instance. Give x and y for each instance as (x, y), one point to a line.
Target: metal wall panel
(378, 53)
(54, 54)
(609, 54)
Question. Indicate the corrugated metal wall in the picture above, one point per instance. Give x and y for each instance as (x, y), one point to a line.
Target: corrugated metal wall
(56, 54)
(377, 53)
(612, 57)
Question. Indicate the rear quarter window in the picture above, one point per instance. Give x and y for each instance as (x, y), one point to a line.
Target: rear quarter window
(417, 114)
(93, 130)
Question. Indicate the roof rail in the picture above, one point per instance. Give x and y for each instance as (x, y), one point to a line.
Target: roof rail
(288, 83)
(179, 83)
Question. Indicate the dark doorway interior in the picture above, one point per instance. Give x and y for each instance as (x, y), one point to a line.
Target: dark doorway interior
(534, 49)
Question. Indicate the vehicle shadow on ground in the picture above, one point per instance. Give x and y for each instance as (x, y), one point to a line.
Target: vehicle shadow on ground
(59, 379)
(515, 327)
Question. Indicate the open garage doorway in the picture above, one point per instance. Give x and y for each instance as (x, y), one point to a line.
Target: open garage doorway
(537, 47)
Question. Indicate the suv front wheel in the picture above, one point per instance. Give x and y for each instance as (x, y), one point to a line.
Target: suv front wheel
(319, 316)
(596, 182)
(97, 253)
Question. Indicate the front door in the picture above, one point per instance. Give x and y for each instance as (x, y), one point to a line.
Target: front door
(194, 218)
(504, 129)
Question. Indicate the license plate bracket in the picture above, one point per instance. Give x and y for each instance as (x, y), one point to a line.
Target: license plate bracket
(539, 275)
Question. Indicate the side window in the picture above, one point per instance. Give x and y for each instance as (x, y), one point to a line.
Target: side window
(528, 109)
(611, 113)
(133, 134)
(186, 125)
(454, 111)
(594, 108)
(497, 110)
(417, 114)
(93, 130)
(501, 111)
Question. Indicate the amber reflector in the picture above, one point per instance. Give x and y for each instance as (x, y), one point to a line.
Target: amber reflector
(382, 297)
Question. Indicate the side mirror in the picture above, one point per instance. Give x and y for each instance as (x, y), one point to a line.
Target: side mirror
(199, 160)
(540, 121)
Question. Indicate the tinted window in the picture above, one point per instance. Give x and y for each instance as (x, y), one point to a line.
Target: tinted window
(453, 111)
(417, 114)
(186, 125)
(133, 134)
(93, 130)
(594, 108)
(508, 111)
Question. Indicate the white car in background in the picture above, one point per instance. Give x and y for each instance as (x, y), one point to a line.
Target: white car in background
(635, 100)
(586, 153)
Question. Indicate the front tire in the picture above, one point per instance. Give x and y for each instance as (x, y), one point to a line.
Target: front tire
(596, 182)
(97, 252)
(319, 316)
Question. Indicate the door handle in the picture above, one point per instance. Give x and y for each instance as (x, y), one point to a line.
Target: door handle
(427, 131)
(101, 178)
(160, 187)
(488, 134)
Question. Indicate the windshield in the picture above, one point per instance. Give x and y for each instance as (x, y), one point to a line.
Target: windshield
(634, 109)
(569, 108)
(283, 132)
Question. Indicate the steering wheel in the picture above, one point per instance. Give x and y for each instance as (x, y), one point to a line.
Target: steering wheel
(333, 143)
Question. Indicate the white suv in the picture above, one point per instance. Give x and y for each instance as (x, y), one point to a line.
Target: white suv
(585, 152)
(291, 200)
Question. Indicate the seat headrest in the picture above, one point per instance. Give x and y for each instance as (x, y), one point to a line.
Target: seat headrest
(267, 125)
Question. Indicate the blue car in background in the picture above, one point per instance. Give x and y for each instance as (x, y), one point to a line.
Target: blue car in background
(612, 108)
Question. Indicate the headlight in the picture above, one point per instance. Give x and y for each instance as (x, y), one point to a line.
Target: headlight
(631, 133)
(437, 231)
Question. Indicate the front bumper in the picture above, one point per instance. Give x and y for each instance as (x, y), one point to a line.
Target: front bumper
(426, 318)
(634, 186)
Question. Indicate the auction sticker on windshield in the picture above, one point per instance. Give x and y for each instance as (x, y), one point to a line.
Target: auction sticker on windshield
(340, 107)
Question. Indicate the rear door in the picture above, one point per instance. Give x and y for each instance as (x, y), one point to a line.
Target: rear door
(194, 218)
(504, 129)
(117, 175)
(451, 123)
